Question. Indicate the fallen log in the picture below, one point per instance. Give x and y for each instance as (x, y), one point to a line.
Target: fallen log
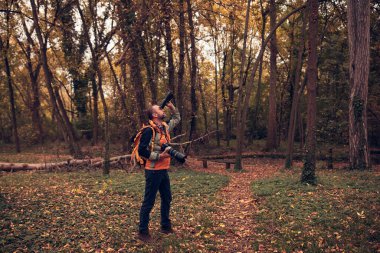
(96, 162)
(252, 155)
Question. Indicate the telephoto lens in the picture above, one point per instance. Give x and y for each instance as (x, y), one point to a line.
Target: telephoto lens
(166, 100)
(174, 153)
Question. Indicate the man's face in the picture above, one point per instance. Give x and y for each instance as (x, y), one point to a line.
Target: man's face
(158, 112)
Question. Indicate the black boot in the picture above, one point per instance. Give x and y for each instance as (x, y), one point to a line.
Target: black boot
(167, 230)
(144, 236)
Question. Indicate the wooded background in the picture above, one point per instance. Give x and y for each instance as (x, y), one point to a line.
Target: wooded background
(73, 70)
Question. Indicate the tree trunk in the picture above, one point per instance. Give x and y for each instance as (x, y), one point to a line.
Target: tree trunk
(230, 86)
(203, 101)
(224, 98)
(308, 172)
(129, 116)
(301, 127)
(147, 62)
(126, 113)
(272, 125)
(240, 135)
(166, 6)
(296, 94)
(136, 77)
(216, 89)
(193, 74)
(10, 90)
(95, 111)
(358, 39)
(106, 165)
(257, 100)
(156, 66)
(73, 54)
(129, 27)
(181, 67)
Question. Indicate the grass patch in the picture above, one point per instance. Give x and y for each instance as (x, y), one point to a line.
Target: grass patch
(83, 211)
(339, 214)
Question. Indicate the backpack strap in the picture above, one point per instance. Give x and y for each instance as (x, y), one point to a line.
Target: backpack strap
(135, 157)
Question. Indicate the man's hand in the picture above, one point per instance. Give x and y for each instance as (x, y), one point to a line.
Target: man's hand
(165, 154)
(171, 106)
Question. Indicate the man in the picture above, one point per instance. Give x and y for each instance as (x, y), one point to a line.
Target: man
(156, 167)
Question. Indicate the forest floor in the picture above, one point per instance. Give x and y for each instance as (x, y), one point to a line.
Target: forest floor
(261, 209)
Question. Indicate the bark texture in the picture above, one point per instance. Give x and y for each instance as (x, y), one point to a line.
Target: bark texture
(308, 172)
(358, 38)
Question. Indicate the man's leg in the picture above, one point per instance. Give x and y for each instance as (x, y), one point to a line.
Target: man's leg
(166, 198)
(152, 183)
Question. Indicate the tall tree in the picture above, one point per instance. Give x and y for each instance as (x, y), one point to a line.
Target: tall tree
(166, 11)
(240, 135)
(308, 171)
(97, 48)
(129, 26)
(230, 85)
(4, 49)
(297, 92)
(272, 124)
(257, 100)
(181, 63)
(358, 39)
(144, 47)
(214, 34)
(193, 74)
(73, 47)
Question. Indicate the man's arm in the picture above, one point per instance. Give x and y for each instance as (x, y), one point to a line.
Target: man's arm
(144, 148)
(176, 117)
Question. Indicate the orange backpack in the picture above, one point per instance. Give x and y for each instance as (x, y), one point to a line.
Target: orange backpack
(135, 157)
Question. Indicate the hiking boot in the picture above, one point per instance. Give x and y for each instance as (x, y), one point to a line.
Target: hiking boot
(167, 230)
(144, 236)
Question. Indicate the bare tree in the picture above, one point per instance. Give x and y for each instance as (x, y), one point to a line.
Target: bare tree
(257, 100)
(193, 74)
(55, 98)
(297, 92)
(166, 10)
(181, 63)
(28, 47)
(272, 124)
(5, 51)
(97, 49)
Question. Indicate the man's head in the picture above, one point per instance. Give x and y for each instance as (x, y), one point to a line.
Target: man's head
(155, 112)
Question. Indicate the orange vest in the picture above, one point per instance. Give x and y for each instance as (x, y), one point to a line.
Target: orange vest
(160, 137)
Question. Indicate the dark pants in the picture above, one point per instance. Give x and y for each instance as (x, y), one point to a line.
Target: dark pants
(156, 180)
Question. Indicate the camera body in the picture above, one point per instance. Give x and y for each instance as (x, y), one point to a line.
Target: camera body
(174, 153)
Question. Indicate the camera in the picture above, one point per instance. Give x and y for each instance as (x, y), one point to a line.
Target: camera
(174, 153)
(166, 100)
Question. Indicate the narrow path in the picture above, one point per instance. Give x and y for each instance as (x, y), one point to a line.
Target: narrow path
(234, 220)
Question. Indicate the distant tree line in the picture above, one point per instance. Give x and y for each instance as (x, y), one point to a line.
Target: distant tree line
(283, 71)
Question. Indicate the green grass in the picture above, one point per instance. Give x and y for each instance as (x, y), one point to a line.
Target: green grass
(341, 213)
(83, 211)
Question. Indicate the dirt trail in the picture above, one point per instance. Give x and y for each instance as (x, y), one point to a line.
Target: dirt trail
(234, 219)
